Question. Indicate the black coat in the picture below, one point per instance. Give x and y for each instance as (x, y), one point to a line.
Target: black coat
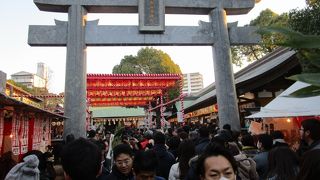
(117, 175)
(165, 160)
(203, 142)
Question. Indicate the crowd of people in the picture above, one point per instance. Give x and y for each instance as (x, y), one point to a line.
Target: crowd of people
(190, 153)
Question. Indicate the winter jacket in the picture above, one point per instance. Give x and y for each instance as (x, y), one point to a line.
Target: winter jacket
(174, 173)
(165, 160)
(117, 175)
(261, 160)
(26, 170)
(246, 168)
(203, 142)
(315, 145)
(191, 175)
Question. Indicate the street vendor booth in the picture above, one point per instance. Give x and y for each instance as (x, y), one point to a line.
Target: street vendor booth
(285, 113)
(23, 127)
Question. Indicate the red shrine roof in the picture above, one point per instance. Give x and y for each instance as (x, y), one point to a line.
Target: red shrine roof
(127, 89)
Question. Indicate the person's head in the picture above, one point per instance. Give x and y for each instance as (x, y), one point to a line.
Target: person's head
(159, 138)
(283, 163)
(204, 132)
(226, 135)
(247, 140)
(123, 158)
(92, 134)
(277, 135)
(180, 130)
(81, 160)
(227, 127)
(70, 138)
(107, 135)
(215, 163)
(183, 135)
(186, 129)
(193, 135)
(265, 142)
(148, 134)
(310, 166)
(27, 169)
(310, 130)
(144, 165)
(173, 142)
(42, 161)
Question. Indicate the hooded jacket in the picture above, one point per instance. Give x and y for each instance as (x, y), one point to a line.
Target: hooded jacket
(26, 170)
(247, 167)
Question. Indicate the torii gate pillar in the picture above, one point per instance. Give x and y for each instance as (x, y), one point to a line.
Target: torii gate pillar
(76, 73)
(224, 79)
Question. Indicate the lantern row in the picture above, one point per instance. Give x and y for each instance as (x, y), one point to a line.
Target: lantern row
(134, 76)
(129, 103)
(99, 99)
(113, 93)
(129, 84)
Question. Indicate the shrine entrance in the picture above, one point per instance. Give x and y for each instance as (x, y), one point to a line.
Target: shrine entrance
(78, 33)
(134, 90)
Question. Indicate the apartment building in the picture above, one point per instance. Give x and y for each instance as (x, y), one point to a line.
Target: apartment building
(192, 82)
(30, 79)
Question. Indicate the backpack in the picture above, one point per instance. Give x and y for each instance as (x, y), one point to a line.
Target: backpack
(246, 167)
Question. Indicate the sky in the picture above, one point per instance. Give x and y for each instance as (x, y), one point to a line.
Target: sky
(16, 55)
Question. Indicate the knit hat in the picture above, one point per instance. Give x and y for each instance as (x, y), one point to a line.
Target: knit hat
(26, 170)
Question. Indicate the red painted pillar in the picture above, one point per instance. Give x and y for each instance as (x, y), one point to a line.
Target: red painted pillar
(30, 133)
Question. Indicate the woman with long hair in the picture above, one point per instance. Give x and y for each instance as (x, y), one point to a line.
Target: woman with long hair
(186, 151)
(283, 164)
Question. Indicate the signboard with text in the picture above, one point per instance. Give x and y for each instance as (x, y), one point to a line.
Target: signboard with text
(151, 15)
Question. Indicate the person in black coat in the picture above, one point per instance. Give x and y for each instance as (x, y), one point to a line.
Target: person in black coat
(165, 158)
(203, 140)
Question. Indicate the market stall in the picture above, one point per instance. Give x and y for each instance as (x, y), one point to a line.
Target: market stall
(285, 113)
(23, 127)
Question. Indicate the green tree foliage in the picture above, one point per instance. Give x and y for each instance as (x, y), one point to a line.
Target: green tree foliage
(266, 18)
(149, 61)
(52, 102)
(308, 48)
(307, 20)
(48, 103)
(24, 87)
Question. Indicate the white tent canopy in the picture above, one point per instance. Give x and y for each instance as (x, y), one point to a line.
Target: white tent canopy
(284, 106)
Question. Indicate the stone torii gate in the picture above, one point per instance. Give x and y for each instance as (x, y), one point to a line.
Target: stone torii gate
(77, 34)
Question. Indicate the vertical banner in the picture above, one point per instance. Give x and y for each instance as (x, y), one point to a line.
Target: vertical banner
(36, 134)
(180, 117)
(30, 132)
(1, 128)
(46, 129)
(24, 134)
(15, 134)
